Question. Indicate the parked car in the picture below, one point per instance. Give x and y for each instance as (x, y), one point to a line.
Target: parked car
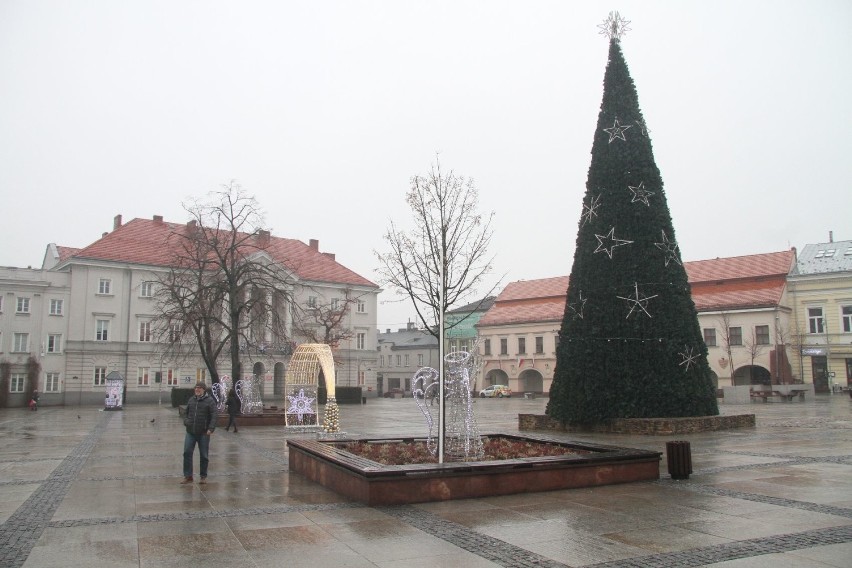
(394, 393)
(495, 390)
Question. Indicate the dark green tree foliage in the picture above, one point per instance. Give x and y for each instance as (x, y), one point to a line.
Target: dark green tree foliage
(630, 345)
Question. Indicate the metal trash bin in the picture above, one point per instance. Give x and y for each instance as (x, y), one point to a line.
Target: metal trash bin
(679, 456)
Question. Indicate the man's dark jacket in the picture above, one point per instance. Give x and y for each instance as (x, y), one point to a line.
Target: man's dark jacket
(200, 414)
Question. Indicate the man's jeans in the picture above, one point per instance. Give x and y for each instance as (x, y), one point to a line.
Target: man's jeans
(189, 442)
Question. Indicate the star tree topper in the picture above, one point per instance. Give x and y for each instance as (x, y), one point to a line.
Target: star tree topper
(614, 26)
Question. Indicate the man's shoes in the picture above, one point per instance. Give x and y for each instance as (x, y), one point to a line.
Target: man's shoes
(186, 480)
(235, 430)
(203, 480)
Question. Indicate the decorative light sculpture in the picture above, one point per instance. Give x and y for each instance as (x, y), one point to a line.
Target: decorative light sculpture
(301, 383)
(220, 392)
(248, 391)
(462, 441)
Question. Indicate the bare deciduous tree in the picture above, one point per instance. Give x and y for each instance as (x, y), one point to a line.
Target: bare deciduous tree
(325, 322)
(724, 320)
(754, 350)
(446, 225)
(224, 292)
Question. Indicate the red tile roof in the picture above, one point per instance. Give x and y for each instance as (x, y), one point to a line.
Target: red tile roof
(66, 252)
(753, 281)
(148, 242)
(528, 301)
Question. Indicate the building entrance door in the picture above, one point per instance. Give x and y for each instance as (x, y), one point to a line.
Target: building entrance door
(819, 368)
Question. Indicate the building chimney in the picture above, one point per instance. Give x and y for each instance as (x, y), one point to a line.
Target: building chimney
(116, 222)
(158, 219)
(191, 225)
(263, 238)
(314, 244)
(410, 326)
(388, 330)
(104, 234)
(329, 255)
(831, 236)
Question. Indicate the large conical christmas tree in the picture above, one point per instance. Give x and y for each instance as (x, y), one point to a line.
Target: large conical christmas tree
(630, 345)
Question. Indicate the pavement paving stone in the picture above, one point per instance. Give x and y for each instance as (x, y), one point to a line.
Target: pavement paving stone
(102, 490)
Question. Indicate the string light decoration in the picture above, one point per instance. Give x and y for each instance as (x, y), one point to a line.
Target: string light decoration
(611, 241)
(220, 392)
(462, 441)
(308, 362)
(617, 130)
(641, 194)
(591, 210)
(670, 249)
(300, 405)
(248, 391)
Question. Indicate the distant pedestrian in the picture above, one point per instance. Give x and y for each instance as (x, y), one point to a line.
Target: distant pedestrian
(34, 400)
(200, 422)
(234, 407)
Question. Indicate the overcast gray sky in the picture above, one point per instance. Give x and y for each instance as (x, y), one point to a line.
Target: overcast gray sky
(324, 109)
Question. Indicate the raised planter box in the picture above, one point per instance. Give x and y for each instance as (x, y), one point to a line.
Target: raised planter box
(366, 481)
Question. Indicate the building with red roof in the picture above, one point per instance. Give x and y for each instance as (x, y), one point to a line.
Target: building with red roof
(742, 305)
(99, 308)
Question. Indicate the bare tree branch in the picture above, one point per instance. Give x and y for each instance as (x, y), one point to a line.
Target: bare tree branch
(445, 223)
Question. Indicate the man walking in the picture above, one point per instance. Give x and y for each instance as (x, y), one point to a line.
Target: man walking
(200, 421)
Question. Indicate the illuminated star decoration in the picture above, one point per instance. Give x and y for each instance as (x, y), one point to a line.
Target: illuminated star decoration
(614, 26)
(591, 210)
(640, 194)
(300, 404)
(637, 301)
(578, 306)
(612, 243)
(688, 357)
(617, 130)
(670, 249)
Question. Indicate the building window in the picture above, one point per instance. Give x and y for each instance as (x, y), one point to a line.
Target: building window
(362, 307)
(312, 301)
(146, 289)
(145, 331)
(102, 330)
(54, 343)
(362, 377)
(710, 336)
(399, 360)
(142, 376)
(1, 304)
(815, 322)
(51, 382)
(381, 360)
(736, 334)
(420, 359)
(504, 346)
(539, 345)
(23, 306)
(335, 304)
(761, 334)
(171, 377)
(56, 307)
(407, 363)
(488, 347)
(16, 382)
(21, 342)
(201, 374)
(360, 340)
(846, 316)
(522, 345)
(100, 376)
(174, 332)
(104, 286)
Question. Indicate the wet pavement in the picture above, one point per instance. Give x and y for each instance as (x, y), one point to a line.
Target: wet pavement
(83, 487)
